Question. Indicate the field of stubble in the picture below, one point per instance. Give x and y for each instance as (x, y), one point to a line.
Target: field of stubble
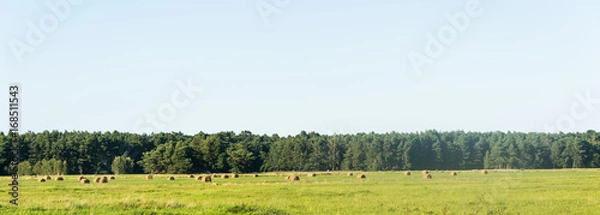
(469, 192)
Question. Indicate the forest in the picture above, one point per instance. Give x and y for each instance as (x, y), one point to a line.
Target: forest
(80, 152)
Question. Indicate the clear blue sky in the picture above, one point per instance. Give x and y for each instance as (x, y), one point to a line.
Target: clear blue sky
(325, 66)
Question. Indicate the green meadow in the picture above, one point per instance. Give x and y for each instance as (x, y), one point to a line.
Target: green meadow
(469, 192)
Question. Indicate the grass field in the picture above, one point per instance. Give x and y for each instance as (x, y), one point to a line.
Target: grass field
(470, 192)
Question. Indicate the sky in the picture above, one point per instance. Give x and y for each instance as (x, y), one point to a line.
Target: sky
(285, 66)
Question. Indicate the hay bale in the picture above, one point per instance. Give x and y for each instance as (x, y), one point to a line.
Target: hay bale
(80, 178)
(350, 174)
(191, 176)
(288, 177)
(149, 177)
(104, 179)
(224, 176)
(47, 177)
(41, 180)
(453, 173)
(84, 181)
(206, 179)
(294, 177)
(112, 177)
(97, 179)
(235, 175)
(425, 172)
(215, 176)
(255, 175)
(407, 173)
(59, 178)
(426, 176)
(485, 172)
(170, 178)
(361, 176)
(312, 175)
(199, 178)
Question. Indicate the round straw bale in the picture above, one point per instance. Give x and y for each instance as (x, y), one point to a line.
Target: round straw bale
(426, 176)
(350, 174)
(224, 176)
(485, 172)
(234, 175)
(206, 179)
(407, 173)
(41, 180)
(294, 177)
(112, 177)
(425, 172)
(97, 179)
(84, 181)
(59, 178)
(453, 173)
(255, 175)
(104, 179)
(47, 177)
(312, 175)
(149, 177)
(80, 177)
(361, 176)
(191, 176)
(170, 178)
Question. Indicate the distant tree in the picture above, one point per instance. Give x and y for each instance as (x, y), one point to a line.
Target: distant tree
(122, 165)
(64, 168)
(25, 168)
(239, 157)
(37, 168)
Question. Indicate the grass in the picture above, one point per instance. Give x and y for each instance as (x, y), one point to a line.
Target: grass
(470, 192)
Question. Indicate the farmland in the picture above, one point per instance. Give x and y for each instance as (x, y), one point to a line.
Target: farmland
(469, 192)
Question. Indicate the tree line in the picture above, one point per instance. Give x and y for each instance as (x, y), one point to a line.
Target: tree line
(78, 152)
